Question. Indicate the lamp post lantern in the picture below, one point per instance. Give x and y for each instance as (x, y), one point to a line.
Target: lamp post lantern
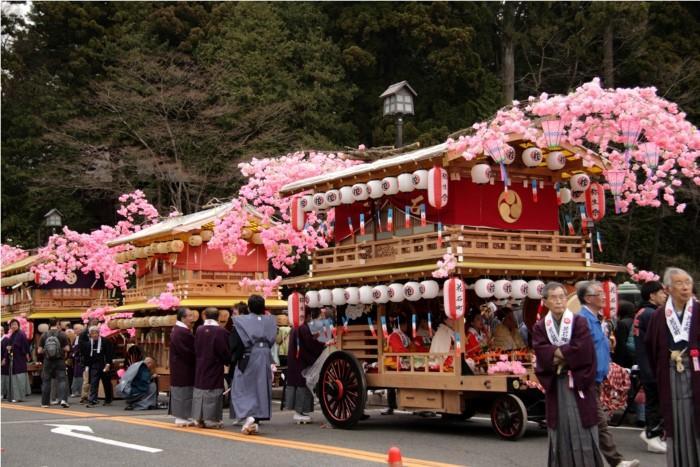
(53, 219)
(398, 100)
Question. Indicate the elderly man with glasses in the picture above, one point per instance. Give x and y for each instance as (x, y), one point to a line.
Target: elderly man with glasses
(592, 299)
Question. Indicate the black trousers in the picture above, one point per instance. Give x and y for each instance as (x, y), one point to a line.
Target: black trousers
(97, 375)
(652, 411)
(53, 369)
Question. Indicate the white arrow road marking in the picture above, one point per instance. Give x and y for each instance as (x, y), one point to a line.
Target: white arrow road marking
(70, 430)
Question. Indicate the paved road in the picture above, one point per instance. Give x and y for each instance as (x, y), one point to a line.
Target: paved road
(27, 440)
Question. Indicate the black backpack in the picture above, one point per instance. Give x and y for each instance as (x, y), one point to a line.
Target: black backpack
(52, 347)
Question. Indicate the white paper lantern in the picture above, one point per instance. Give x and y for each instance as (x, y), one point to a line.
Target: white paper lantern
(307, 203)
(359, 192)
(485, 288)
(455, 298)
(565, 195)
(556, 160)
(510, 154)
(534, 289)
(319, 201)
(420, 179)
(338, 296)
(333, 198)
(390, 186)
(366, 295)
(406, 183)
(396, 293)
(194, 240)
(380, 294)
(352, 295)
(374, 189)
(503, 288)
(346, 196)
(411, 291)
(429, 289)
(580, 182)
(296, 213)
(481, 173)
(325, 297)
(519, 289)
(312, 299)
(532, 157)
(578, 196)
(438, 183)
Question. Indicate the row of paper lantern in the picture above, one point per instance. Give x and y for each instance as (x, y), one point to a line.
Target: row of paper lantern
(413, 291)
(145, 322)
(177, 246)
(434, 180)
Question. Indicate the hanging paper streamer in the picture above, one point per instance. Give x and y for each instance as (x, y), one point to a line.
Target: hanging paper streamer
(504, 176)
(430, 325)
(570, 225)
(556, 188)
(407, 219)
(413, 324)
(584, 222)
(458, 343)
(598, 241)
(390, 220)
(345, 324)
(379, 221)
(423, 218)
(534, 190)
(439, 239)
(371, 327)
(352, 230)
(540, 309)
(362, 224)
(385, 331)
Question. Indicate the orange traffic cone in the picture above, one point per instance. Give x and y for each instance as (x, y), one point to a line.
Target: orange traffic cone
(394, 459)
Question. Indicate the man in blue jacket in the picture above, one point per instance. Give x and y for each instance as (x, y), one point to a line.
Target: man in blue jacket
(592, 299)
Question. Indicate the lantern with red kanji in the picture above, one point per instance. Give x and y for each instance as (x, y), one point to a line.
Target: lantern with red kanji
(437, 187)
(296, 213)
(455, 298)
(595, 202)
(610, 294)
(296, 309)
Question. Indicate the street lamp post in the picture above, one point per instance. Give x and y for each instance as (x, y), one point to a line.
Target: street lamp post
(398, 100)
(53, 219)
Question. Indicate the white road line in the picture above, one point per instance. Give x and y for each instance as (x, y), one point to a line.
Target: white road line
(78, 431)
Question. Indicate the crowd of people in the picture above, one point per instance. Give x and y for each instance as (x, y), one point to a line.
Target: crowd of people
(660, 340)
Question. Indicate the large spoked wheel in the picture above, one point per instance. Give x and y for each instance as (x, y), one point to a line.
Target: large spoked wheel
(342, 390)
(509, 417)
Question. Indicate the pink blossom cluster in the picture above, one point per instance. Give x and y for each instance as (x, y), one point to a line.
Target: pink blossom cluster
(284, 245)
(508, 367)
(596, 119)
(73, 251)
(104, 315)
(641, 276)
(10, 254)
(445, 266)
(265, 286)
(166, 300)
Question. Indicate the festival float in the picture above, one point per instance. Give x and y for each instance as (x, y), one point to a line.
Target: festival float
(491, 214)
(174, 266)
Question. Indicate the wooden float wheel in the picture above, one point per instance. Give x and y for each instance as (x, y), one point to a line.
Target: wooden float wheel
(342, 390)
(509, 417)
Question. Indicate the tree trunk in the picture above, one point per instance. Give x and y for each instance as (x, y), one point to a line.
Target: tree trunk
(608, 59)
(508, 54)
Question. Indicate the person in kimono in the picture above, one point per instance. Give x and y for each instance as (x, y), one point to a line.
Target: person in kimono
(78, 368)
(566, 368)
(182, 365)
(251, 396)
(211, 355)
(15, 354)
(477, 337)
(304, 349)
(142, 390)
(673, 349)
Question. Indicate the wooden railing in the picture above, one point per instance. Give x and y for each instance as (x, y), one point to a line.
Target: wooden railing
(60, 299)
(205, 284)
(462, 242)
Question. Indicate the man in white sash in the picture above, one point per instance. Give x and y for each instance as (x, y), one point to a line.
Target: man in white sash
(566, 368)
(673, 347)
